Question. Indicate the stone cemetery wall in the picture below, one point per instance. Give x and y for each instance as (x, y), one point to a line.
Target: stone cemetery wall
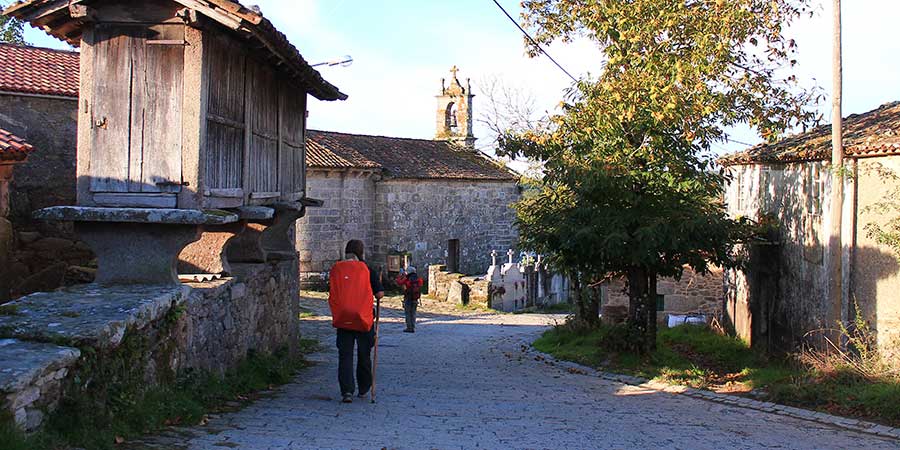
(456, 288)
(139, 335)
(693, 294)
(421, 216)
(347, 214)
(44, 255)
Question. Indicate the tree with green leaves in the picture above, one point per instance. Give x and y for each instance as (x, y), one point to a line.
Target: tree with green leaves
(11, 30)
(630, 184)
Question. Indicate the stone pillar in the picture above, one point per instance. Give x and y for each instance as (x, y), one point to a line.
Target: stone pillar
(208, 254)
(278, 240)
(136, 253)
(136, 245)
(247, 247)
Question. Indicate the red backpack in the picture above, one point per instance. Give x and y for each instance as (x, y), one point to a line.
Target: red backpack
(350, 296)
(413, 291)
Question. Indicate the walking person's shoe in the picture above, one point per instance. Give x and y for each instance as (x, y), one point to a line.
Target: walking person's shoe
(363, 394)
(347, 398)
(408, 331)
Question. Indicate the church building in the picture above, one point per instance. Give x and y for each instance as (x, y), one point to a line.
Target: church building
(437, 201)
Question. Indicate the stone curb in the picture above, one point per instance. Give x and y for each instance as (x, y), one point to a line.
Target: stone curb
(731, 400)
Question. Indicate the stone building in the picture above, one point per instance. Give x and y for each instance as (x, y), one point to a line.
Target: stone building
(783, 294)
(694, 293)
(432, 201)
(39, 102)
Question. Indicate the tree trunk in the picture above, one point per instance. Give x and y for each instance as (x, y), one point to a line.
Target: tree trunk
(642, 307)
(587, 313)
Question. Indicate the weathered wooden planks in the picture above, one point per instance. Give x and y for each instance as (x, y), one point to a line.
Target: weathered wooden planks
(225, 117)
(111, 110)
(264, 124)
(136, 111)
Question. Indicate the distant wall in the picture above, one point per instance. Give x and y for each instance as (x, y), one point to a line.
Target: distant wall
(45, 255)
(421, 216)
(348, 213)
(693, 293)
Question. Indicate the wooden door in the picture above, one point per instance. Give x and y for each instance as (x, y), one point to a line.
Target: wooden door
(136, 108)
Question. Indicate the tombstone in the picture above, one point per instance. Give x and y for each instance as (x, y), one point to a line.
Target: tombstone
(186, 108)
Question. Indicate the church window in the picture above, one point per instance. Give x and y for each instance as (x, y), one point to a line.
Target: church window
(450, 120)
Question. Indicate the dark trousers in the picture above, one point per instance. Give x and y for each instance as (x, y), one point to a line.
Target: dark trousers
(364, 342)
(409, 309)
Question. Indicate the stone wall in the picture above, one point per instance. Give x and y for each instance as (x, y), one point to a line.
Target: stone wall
(44, 255)
(142, 334)
(692, 294)
(457, 288)
(257, 310)
(790, 284)
(421, 216)
(348, 214)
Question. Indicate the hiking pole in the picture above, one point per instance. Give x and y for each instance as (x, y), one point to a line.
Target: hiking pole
(375, 362)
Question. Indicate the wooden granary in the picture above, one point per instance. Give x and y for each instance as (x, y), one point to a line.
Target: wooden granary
(191, 134)
(188, 104)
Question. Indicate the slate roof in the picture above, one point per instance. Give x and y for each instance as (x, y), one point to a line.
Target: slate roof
(400, 157)
(12, 147)
(874, 133)
(35, 70)
(54, 17)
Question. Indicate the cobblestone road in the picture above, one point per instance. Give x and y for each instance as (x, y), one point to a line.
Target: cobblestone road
(463, 382)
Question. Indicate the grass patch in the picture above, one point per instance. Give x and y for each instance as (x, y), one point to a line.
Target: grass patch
(80, 422)
(698, 357)
(9, 310)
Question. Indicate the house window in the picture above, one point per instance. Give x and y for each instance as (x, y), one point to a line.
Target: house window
(660, 302)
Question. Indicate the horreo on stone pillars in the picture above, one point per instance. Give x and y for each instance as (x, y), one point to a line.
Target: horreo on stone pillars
(189, 112)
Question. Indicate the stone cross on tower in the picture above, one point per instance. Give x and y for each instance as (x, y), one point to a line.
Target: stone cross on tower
(493, 257)
(453, 70)
(510, 253)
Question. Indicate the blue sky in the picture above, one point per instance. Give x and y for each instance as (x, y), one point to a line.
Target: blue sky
(402, 48)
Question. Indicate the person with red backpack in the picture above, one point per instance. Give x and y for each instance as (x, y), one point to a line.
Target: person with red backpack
(412, 293)
(352, 287)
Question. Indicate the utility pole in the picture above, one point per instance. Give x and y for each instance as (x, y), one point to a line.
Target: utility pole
(837, 180)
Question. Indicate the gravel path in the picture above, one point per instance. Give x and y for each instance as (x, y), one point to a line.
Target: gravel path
(462, 381)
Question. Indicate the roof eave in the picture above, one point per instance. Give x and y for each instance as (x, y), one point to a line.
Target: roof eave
(232, 15)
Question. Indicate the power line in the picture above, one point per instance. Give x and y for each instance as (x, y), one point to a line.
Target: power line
(533, 42)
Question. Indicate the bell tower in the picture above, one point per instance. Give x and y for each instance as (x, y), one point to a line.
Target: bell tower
(454, 112)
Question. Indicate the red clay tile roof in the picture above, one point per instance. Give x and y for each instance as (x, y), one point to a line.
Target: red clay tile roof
(12, 147)
(874, 133)
(35, 70)
(400, 157)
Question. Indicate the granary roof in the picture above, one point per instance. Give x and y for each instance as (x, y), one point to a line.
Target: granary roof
(401, 157)
(55, 17)
(874, 133)
(12, 147)
(35, 70)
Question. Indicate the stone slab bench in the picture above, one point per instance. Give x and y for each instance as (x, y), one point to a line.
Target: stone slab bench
(89, 314)
(137, 245)
(31, 375)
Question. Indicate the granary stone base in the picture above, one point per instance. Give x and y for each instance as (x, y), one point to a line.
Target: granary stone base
(136, 252)
(151, 334)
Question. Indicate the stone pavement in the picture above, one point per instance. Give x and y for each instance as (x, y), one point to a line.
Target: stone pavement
(463, 381)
